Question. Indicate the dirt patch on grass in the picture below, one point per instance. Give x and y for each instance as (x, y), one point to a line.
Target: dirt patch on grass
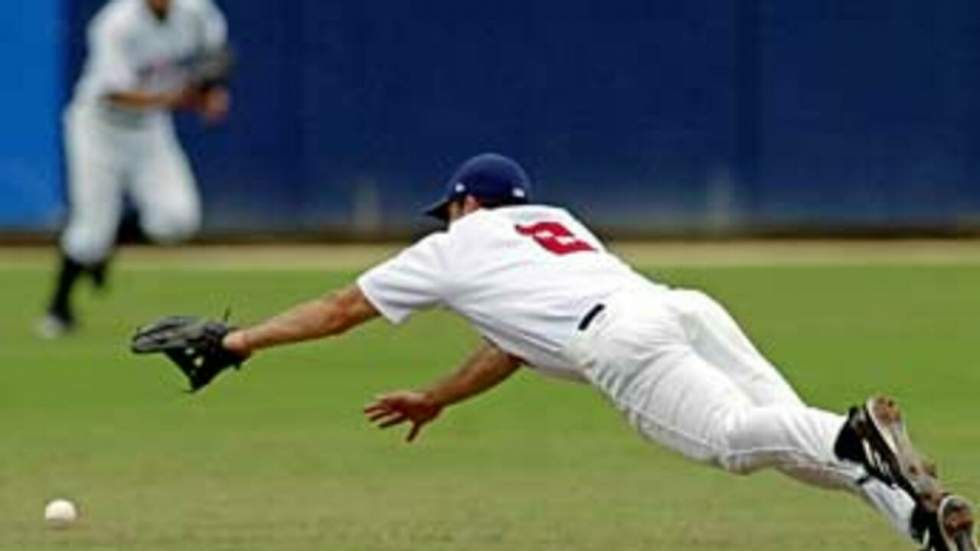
(643, 254)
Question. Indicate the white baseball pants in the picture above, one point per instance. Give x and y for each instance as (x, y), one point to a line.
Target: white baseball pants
(106, 161)
(686, 376)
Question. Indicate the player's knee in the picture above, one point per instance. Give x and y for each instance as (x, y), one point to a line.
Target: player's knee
(739, 446)
(735, 464)
(730, 457)
(736, 459)
(172, 227)
(88, 244)
(752, 440)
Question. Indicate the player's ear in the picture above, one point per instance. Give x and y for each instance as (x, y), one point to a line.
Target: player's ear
(453, 211)
(470, 204)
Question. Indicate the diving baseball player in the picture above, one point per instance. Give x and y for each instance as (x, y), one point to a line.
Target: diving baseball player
(146, 58)
(545, 293)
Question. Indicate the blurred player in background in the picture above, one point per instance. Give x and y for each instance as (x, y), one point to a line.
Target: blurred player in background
(545, 293)
(146, 58)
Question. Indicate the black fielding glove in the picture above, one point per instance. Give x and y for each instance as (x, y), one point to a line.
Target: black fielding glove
(192, 343)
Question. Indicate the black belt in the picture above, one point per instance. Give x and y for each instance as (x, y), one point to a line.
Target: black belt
(590, 315)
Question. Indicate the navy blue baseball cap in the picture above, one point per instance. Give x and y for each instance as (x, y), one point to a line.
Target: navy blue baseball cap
(491, 177)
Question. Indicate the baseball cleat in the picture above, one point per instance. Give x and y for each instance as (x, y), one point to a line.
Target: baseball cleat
(52, 326)
(98, 275)
(949, 528)
(875, 436)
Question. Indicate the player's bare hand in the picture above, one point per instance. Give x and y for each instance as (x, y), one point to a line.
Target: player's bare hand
(214, 104)
(395, 408)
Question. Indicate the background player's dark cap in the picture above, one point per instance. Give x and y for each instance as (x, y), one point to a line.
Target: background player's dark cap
(490, 177)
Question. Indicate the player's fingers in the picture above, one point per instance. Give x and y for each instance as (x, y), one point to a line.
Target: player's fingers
(383, 417)
(373, 407)
(416, 427)
(388, 396)
(378, 406)
(378, 415)
(397, 420)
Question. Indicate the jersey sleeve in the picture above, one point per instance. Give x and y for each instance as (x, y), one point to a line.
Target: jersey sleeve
(112, 64)
(416, 279)
(214, 27)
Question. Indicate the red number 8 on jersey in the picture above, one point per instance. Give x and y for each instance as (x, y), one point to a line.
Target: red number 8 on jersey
(554, 237)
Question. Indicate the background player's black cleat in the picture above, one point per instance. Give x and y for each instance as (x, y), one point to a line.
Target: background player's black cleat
(99, 274)
(950, 528)
(55, 325)
(874, 436)
(59, 319)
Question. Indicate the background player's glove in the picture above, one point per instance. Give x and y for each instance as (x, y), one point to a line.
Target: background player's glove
(193, 343)
(211, 69)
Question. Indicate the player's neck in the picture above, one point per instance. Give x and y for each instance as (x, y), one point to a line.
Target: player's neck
(158, 12)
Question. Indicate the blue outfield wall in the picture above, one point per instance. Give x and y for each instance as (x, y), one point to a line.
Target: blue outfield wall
(30, 174)
(640, 114)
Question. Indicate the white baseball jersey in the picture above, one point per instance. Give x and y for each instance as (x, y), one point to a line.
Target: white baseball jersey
(129, 48)
(673, 361)
(524, 276)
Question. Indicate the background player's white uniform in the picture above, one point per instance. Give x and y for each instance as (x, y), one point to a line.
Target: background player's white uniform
(673, 361)
(113, 150)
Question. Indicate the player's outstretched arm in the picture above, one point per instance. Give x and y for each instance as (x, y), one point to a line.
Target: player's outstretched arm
(329, 315)
(487, 367)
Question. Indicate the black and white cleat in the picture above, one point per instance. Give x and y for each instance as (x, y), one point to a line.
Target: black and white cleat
(875, 436)
(950, 528)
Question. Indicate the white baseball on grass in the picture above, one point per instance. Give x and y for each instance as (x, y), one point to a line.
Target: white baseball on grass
(60, 513)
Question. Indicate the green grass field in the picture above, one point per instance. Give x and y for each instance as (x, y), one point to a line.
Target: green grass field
(278, 457)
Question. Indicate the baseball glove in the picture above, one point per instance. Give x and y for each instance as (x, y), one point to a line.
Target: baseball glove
(193, 343)
(211, 68)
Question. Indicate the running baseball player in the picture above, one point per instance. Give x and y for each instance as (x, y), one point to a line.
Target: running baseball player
(545, 293)
(146, 58)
